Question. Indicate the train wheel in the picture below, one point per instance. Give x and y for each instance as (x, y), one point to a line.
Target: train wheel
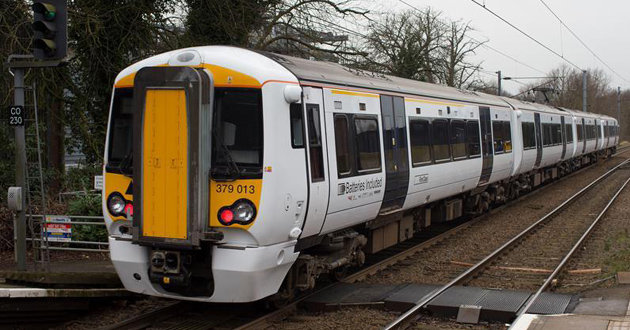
(338, 273)
(281, 298)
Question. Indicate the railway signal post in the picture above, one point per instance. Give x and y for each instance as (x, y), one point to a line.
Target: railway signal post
(50, 47)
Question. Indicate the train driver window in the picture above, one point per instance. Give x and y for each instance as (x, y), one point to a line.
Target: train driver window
(441, 148)
(458, 138)
(420, 142)
(473, 139)
(368, 144)
(497, 133)
(297, 126)
(342, 144)
(121, 130)
(238, 121)
(507, 137)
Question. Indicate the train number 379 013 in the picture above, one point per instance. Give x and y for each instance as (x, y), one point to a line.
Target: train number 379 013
(238, 188)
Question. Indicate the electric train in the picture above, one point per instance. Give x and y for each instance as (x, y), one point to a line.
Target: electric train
(233, 175)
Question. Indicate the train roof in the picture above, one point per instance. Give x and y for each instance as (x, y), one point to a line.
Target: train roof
(336, 74)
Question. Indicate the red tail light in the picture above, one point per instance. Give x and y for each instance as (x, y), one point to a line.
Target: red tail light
(227, 216)
(129, 209)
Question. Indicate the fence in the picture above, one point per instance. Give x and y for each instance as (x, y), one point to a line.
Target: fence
(58, 230)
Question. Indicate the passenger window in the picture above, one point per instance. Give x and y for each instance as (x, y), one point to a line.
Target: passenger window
(441, 149)
(507, 137)
(472, 138)
(420, 142)
(368, 144)
(315, 142)
(342, 145)
(547, 135)
(497, 132)
(529, 135)
(458, 139)
(568, 131)
(297, 126)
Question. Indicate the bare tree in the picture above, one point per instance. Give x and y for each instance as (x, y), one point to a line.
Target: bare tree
(405, 44)
(307, 28)
(455, 69)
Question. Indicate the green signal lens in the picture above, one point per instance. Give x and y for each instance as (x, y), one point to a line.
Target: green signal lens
(49, 15)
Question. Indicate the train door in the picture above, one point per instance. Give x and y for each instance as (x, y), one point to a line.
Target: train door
(599, 133)
(607, 133)
(584, 135)
(539, 141)
(395, 147)
(487, 150)
(564, 137)
(171, 165)
(316, 157)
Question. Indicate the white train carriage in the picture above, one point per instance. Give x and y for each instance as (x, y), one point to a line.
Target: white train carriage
(232, 175)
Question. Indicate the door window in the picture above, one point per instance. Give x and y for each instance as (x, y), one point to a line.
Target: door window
(315, 142)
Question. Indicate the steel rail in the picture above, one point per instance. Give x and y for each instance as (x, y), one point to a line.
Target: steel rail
(570, 254)
(409, 316)
(146, 320)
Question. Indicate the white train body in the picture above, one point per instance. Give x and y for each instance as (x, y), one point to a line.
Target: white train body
(249, 167)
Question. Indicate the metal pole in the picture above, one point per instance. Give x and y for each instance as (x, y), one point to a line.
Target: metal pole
(618, 105)
(20, 173)
(499, 84)
(584, 105)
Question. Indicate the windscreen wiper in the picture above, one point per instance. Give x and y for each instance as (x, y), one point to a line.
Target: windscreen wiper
(126, 164)
(233, 171)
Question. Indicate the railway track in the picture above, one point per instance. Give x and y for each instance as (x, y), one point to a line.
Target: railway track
(548, 228)
(194, 316)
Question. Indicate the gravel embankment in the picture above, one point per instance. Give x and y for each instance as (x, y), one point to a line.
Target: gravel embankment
(545, 248)
(434, 265)
(361, 318)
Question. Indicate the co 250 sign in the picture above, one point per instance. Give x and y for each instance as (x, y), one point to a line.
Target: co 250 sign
(16, 115)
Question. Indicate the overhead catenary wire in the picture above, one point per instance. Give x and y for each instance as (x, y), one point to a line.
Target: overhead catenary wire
(485, 45)
(526, 34)
(582, 42)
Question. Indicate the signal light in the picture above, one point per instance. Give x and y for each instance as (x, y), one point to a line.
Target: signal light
(50, 29)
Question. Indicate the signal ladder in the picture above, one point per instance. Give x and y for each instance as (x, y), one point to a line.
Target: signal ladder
(35, 195)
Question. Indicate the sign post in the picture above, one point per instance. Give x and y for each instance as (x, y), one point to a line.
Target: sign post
(20, 173)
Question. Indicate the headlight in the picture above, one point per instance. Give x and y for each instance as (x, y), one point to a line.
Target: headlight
(116, 204)
(241, 212)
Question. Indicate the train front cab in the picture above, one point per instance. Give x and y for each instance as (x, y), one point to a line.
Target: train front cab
(188, 189)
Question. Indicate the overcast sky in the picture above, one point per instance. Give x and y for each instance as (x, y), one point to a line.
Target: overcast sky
(603, 25)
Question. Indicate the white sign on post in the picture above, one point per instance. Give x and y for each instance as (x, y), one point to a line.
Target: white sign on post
(98, 182)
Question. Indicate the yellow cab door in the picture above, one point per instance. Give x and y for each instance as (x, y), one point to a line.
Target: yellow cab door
(165, 145)
(171, 155)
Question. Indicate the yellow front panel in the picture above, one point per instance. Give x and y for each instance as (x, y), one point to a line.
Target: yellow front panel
(165, 176)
